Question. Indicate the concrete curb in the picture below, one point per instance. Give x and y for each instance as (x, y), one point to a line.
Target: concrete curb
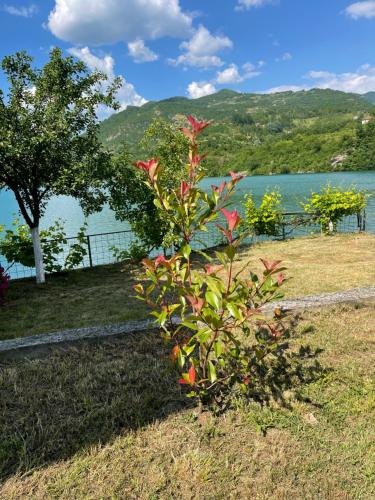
(95, 332)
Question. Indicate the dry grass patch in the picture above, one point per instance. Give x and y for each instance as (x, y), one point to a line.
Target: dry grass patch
(106, 420)
(319, 264)
(88, 297)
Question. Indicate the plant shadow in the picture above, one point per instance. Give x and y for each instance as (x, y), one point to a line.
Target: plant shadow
(58, 401)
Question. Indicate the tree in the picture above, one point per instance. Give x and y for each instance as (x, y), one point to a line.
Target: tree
(132, 199)
(48, 136)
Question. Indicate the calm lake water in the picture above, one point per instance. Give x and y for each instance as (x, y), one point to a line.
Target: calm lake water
(294, 188)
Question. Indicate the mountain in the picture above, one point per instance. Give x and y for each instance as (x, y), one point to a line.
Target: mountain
(261, 133)
(370, 97)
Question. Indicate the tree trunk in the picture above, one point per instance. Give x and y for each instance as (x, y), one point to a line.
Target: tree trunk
(38, 255)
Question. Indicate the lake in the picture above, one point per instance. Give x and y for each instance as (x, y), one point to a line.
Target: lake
(294, 189)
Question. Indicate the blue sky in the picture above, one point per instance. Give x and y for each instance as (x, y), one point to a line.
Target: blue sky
(163, 48)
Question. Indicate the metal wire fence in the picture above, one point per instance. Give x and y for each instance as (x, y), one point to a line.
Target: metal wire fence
(99, 248)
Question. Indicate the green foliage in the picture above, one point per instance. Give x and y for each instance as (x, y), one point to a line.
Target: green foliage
(333, 204)
(48, 135)
(278, 133)
(133, 200)
(266, 219)
(362, 150)
(222, 339)
(17, 247)
(134, 254)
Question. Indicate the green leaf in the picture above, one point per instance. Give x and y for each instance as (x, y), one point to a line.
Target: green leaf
(186, 251)
(212, 372)
(219, 348)
(234, 311)
(214, 300)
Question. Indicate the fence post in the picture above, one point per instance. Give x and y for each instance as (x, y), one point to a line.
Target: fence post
(361, 220)
(283, 226)
(89, 249)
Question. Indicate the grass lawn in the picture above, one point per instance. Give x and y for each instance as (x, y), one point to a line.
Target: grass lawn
(107, 420)
(102, 295)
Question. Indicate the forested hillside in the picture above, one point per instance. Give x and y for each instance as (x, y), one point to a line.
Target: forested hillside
(315, 130)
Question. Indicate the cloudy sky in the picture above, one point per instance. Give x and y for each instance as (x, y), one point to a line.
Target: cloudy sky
(163, 48)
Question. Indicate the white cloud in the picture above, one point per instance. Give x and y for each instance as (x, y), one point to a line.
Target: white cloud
(201, 50)
(21, 11)
(200, 89)
(126, 95)
(287, 56)
(98, 22)
(249, 4)
(361, 9)
(231, 74)
(140, 53)
(104, 64)
(359, 82)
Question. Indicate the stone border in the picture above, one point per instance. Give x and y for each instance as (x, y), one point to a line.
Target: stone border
(308, 302)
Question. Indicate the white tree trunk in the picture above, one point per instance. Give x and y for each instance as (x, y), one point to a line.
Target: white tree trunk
(38, 255)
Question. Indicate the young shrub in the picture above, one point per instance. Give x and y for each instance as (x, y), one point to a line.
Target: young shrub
(17, 247)
(4, 284)
(135, 254)
(221, 338)
(332, 204)
(267, 219)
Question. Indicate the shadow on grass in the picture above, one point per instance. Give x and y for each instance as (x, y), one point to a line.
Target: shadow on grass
(59, 401)
(73, 397)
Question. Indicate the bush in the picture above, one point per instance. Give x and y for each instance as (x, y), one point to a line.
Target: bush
(134, 254)
(333, 204)
(267, 219)
(132, 200)
(17, 247)
(222, 338)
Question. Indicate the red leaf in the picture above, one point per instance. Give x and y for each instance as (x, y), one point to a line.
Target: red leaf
(187, 133)
(237, 176)
(197, 303)
(175, 352)
(196, 160)
(232, 218)
(280, 279)
(192, 375)
(209, 269)
(182, 381)
(219, 189)
(270, 266)
(160, 260)
(184, 189)
(196, 126)
(149, 167)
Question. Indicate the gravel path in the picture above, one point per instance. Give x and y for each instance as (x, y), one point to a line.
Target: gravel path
(94, 332)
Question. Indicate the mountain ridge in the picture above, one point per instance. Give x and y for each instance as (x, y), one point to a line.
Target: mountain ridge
(261, 133)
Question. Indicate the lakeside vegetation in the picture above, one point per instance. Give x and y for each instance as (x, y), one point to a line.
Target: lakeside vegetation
(106, 419)
(307, 131)
(104, 294)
